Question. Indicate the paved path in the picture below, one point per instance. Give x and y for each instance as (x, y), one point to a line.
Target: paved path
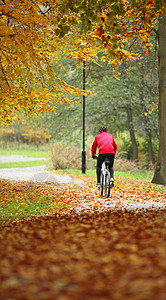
(37, 174)
(16, 158)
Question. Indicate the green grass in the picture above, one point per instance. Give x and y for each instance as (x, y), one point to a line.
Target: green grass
(27, 206)
(144, 175)
(25, 152)
(23, 164)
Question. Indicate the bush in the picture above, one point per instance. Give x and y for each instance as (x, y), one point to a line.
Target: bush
(123, 165)
(65, 157)
(125, 148)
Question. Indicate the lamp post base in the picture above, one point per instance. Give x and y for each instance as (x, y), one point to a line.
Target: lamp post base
(83, 161)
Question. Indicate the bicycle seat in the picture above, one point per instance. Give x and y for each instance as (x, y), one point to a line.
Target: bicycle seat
(107, 161)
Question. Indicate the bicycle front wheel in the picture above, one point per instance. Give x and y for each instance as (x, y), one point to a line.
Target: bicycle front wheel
(107, 184)
(100, 189)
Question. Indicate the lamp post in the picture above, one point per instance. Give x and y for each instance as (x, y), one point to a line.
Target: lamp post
(83, 150)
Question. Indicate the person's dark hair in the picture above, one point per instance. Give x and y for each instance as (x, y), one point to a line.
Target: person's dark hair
(103, 129)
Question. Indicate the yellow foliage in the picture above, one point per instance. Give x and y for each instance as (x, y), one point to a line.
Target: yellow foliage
(26, 134)
(35, 136)
(28, 49)
(33, 35)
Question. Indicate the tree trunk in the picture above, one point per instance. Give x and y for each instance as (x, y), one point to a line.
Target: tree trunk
(132, 133)
(150, 147)
(146, 118)
(160, 171)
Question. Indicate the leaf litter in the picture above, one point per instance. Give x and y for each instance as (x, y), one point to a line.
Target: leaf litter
(91, 248)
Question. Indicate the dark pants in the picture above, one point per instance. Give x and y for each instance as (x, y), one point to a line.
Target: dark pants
(100, 160)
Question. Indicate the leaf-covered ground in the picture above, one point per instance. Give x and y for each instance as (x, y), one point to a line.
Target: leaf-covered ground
(88, 248)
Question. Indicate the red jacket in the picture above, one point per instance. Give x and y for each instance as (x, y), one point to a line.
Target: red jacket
(105, 142)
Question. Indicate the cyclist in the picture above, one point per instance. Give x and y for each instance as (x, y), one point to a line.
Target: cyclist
(107, 148)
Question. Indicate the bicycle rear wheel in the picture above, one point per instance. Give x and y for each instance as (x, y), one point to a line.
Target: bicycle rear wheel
(107, 184)
(100, 189)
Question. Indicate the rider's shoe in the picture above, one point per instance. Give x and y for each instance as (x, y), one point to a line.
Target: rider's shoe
(98, 185)
(112, 182)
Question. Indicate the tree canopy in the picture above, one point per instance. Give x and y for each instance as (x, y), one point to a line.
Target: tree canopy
(33, 34)
(29, 47)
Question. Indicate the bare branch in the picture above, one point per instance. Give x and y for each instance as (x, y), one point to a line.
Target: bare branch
(3, 72)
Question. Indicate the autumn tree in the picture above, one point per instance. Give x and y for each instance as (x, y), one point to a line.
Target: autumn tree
(29, 48)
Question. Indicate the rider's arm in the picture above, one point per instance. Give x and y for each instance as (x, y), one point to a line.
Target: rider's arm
(94, 147)
(115, 146)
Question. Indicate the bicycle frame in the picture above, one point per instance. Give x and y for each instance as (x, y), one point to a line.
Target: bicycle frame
(103, 169)
(105, 179)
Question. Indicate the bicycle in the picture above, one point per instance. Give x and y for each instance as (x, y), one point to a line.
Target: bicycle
(106, 183)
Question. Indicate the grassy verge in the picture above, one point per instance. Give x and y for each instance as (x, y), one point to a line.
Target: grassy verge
(25, 152)
(23, 164)
(17, 210)
(143, 175)
(18, 202)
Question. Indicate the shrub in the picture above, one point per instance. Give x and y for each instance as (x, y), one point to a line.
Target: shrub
(65, 157)
(123, 165)
(125, 148)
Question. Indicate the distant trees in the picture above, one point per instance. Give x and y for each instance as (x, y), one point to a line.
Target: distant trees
(25, 135)
(127, 102)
